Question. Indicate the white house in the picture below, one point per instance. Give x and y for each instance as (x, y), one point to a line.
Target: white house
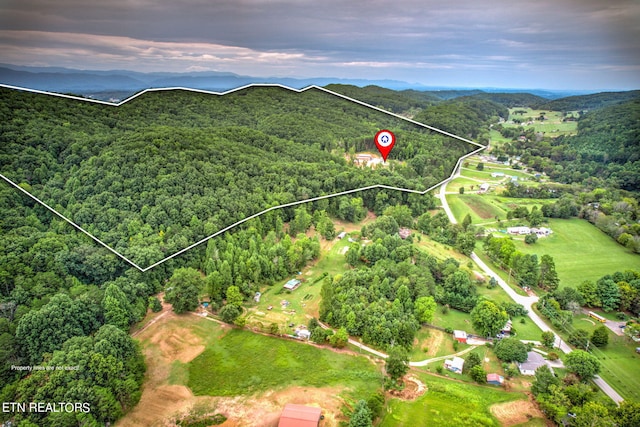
(519, 230)
(454, 365)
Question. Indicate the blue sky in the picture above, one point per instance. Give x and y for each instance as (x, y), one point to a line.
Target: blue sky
(561, 44)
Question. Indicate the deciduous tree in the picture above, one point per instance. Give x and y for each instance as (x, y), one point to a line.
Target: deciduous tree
(583, 364)
(511, 350)
(488, 318)
(183, 289)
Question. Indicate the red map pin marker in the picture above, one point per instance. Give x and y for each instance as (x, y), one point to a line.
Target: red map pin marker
(385, 140)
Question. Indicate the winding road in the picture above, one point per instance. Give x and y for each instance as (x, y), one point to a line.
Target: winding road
(526, 301)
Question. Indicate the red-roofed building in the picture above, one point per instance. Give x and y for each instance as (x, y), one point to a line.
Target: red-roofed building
(495, 379)
(300, 416)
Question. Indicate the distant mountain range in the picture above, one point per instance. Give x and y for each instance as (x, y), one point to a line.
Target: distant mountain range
(120, 84)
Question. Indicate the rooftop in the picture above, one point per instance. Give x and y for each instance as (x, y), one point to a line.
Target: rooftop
(299, 416)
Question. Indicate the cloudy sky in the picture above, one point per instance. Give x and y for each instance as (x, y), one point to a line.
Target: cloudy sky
(552, 44)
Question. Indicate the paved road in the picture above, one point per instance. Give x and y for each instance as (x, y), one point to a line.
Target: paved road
(526, 301)
(612, 325)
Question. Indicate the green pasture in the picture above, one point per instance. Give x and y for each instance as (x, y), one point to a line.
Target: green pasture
(454, 319)
(552, 126)
(620, 363)
(496, 138)
(439, 250)
(448, 403)
(430, 343)
(581, 251)
(244, 363)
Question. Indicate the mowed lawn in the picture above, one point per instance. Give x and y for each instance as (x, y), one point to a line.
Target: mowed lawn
(581, 252)
(448, 403)
(244, 363)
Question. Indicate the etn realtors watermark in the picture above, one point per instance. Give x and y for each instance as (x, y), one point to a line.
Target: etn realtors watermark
(45, 407)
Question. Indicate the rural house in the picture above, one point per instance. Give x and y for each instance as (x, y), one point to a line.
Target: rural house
(454, 365)
(300, 416)
(533, 362)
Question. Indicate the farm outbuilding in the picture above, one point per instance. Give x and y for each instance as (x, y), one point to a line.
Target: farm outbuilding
(300, 416)
(342, 235)
(460, 336)
(495, 379)
(292, 284)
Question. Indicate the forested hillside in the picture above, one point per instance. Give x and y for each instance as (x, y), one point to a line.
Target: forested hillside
(587, 102)
(466, 116)
(606, 149)
(391, 100)
(169, 168)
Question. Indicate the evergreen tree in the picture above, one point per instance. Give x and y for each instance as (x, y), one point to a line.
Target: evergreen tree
(361, 416)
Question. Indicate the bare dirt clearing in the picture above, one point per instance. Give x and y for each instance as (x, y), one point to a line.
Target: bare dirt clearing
(518, 412)
(177, 339)
(413, 388)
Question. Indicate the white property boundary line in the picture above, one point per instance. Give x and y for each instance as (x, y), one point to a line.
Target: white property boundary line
(225, 229)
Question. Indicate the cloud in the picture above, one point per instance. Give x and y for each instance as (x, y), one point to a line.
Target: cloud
(400, 38)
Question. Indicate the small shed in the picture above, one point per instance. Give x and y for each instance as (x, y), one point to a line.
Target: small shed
(300, 416)
(495, 379)
(303, 333)
(292, 284)
(342, 235)
(484, 187)
(404, 232)
(454, 365)
(460, 336)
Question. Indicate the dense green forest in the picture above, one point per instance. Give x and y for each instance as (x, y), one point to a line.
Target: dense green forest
(587, 102)
(605, 152)
(167, 169)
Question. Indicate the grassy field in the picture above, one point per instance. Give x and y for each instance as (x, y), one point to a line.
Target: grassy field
(620, 362)
(448, 403)
(243, 363)
(581, 252)
(478, 206)
(552, 126)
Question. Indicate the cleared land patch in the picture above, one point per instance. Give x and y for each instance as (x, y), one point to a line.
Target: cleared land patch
(243, 363)
(518, 412)
(448, 403)
(581, 252)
